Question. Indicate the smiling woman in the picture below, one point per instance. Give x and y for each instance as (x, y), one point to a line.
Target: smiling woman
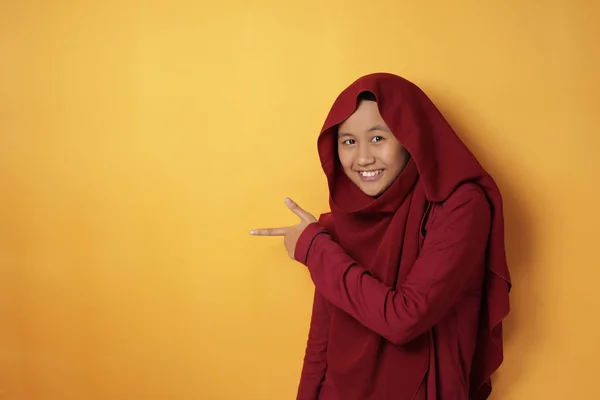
(411, 278)
(141, 141)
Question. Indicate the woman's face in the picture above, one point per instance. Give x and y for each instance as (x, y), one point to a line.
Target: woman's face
(370, 154)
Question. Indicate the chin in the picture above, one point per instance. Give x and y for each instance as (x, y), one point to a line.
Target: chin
(373, 192)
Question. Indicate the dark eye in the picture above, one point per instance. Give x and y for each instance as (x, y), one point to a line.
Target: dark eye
(348, 141)
(378, 138)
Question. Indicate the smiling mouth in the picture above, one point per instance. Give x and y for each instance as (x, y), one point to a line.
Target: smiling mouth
(370, 176)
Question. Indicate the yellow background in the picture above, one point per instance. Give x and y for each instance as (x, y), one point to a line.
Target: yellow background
(141, 141)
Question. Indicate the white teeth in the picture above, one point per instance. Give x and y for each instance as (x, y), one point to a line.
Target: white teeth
(370, 174)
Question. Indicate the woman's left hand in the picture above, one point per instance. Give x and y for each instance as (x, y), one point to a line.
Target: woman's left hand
(290, 233)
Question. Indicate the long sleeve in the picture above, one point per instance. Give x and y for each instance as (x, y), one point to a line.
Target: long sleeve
(452, 252)
(315, 364)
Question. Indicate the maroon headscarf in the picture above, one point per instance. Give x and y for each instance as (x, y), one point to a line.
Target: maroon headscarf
(383, 234)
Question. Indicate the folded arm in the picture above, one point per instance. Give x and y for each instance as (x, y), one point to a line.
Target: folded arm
(452, 252)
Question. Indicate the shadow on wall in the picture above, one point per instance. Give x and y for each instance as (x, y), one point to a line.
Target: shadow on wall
(521, 327)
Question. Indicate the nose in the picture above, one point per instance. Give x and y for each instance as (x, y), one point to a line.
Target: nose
(365, 155)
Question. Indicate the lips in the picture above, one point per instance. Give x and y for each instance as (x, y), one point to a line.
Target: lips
(370, 175)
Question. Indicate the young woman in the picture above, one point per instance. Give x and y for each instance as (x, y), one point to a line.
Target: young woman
(409, 266)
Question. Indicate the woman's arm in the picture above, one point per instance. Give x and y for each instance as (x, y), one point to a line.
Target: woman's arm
(315, 364)
(452, 252)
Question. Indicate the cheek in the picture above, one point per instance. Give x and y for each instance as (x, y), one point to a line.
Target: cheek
(394, 158)
(345, 159)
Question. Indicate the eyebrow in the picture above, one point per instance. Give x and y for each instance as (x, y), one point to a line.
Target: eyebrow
(371, 129)
(379, 128)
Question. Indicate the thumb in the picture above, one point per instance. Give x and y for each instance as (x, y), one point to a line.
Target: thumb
(296, 209)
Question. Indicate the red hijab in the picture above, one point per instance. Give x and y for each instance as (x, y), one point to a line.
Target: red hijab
(384, 235)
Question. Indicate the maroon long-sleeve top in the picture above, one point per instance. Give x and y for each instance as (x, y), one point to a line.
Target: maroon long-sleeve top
(441, 295)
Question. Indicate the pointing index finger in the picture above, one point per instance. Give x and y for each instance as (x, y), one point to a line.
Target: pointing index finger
(268, 232)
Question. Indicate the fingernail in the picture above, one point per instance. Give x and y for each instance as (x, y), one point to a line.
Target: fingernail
(252, 232)
(288, 201)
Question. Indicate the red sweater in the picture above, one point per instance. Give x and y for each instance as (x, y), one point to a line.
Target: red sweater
(442, 293)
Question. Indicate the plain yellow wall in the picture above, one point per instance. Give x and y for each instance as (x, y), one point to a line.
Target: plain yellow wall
(140, 141)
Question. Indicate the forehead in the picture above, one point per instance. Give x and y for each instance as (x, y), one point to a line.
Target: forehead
(365, 118)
